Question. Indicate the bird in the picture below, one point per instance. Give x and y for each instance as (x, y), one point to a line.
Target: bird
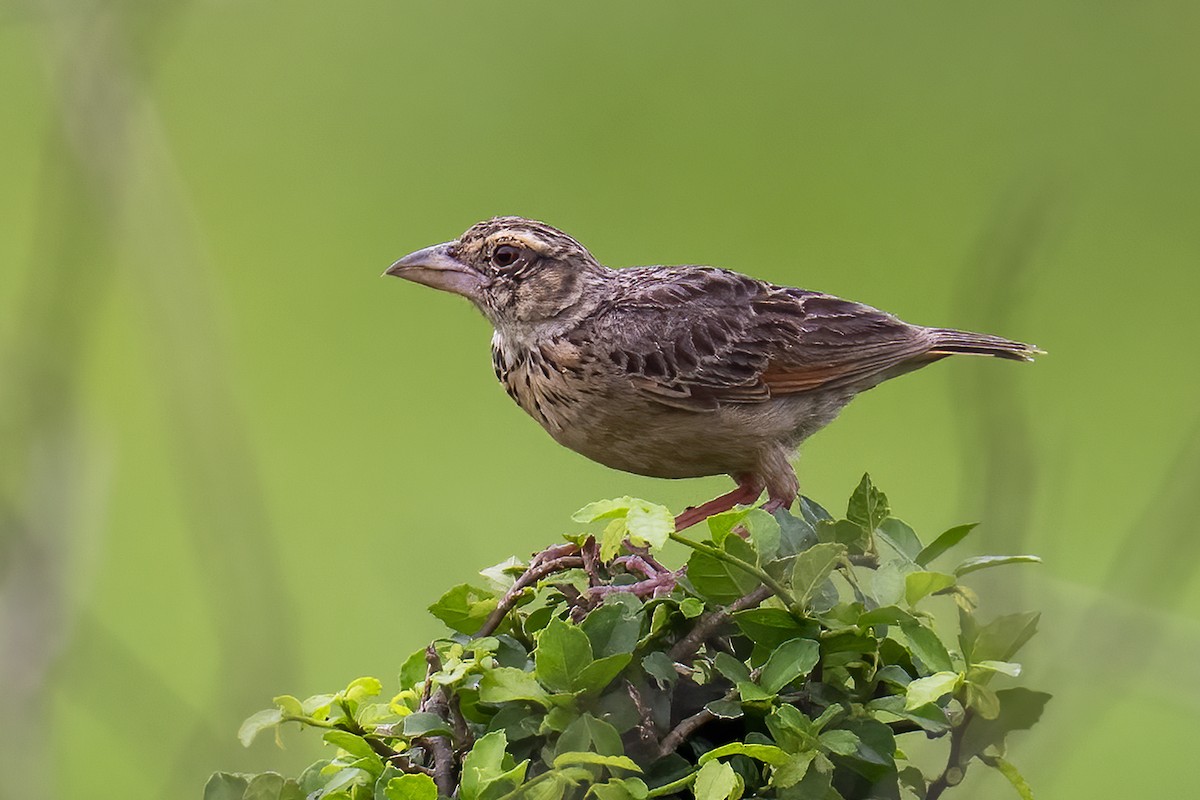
(676, 371)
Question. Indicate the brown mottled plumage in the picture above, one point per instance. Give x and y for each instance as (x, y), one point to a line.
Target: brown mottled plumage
(675, 372)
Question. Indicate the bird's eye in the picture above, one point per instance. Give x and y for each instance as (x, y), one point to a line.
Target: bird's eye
(506, 255)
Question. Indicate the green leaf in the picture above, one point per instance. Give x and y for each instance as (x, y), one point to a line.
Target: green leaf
(615, 508)
(411, 787)
(789, 661)
(928, 690)
(562, 653)
(875, 756)
(589, 734)
(506, 684)
(716, 780)
(576, 758)
(717, 581)
(813, 567)
(413, 670)
(751, 692)
(868, 506)
(502, 576)
(601, 672)
(611, 539)
(721, 525)
(984, 562)
(645, 523)
(842, 742)
(816, 781)
(351, 743)
(650, 524)
(886, 615)
(552, 785)
(845, 532)
(361, 689)
(771, 627)
(484, 764)
(983, 700)
(918, 585)
(612, 628)
(926, 646)
(464, 608)
(226, 786)
(270, 786)
(424, 723)
(764, 533)
(900, 537)
(792, 729)
(795, 533)
(318, 705)
(1009, 668)
(732, 668)
(793, 771)
(944, 542)
(1020, 708)
(998, 640)
(1008, 770)
(930, 717)
(812, 511)
(257, 723)
(767, 753)
(289, 705)
(725, 709)
(913, 779)
(691, 607)
(887, 584)
(660, 666)
(620, 789)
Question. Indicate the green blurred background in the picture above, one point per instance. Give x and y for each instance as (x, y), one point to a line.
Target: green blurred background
(235, 462)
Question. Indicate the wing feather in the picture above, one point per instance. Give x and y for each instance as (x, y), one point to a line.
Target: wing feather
(699, 337)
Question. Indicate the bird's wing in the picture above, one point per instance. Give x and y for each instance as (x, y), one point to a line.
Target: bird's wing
(697, 337)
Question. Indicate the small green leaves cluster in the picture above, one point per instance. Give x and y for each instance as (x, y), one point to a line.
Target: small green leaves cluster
(791, 659)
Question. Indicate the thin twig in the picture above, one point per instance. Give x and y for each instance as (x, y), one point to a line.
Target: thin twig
(655, 586)
(680, 733)
(590, 552)
(531, 576)
(954, 772)
(646, 729)
(687, 647)
(439, 747)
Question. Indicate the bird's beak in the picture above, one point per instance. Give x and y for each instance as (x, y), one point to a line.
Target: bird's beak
(434, 266)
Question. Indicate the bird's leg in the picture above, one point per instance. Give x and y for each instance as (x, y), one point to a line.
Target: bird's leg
(748, 489)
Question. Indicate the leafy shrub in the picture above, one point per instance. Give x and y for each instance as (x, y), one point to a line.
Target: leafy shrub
(787, 661)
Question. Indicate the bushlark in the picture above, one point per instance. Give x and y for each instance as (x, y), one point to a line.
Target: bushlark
(676, 371)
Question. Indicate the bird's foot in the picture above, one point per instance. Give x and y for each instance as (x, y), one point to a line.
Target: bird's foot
(775, 503)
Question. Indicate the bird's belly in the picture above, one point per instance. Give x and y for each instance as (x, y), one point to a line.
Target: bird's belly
(641, 436)
(611, 422)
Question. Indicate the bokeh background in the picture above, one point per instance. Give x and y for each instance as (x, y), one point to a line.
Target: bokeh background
(235, 462)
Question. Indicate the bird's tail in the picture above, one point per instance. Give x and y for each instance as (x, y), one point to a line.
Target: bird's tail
(947, 341)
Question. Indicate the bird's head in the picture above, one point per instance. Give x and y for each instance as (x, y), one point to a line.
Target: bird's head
(519, 272)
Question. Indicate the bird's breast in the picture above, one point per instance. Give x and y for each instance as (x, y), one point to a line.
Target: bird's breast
(544, 378)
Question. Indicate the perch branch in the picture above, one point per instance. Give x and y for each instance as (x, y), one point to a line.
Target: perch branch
(535, 573)
(686, 727)
(686, 647)
(954, 772)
